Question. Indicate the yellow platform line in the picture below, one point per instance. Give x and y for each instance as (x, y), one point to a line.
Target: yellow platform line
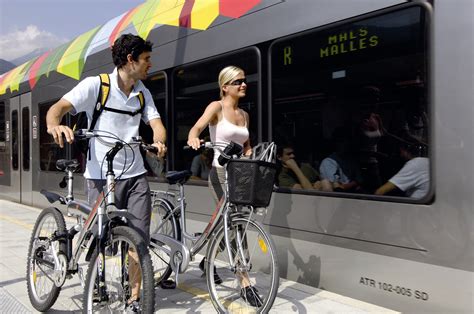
(16, 221)
(200, 293)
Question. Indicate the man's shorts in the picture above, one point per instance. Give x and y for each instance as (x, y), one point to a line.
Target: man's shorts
(132, 194)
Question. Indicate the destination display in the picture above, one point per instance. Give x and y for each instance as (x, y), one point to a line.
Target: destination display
(398, 33)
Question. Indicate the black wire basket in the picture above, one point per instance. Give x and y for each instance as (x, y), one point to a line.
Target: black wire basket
(250, 182)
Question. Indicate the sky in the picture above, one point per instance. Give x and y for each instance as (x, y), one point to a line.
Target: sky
(26, 25)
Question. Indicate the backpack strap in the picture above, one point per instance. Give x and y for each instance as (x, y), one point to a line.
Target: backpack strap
(141, 99)
(102, 98)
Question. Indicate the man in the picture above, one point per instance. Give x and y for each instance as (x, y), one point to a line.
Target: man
(414, 177)
(131, 56)
(294, 176)
(339, 171)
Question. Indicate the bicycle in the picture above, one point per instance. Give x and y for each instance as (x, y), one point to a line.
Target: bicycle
(241, 262)
(102, 231)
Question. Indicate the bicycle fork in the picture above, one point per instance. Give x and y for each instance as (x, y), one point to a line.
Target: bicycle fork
(100, 279)
(243, 265)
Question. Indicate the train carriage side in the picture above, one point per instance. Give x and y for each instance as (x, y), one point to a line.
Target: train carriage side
(321, 73)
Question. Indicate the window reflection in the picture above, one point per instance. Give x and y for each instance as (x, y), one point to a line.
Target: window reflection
(3, 137)
(195, 86)
(157, 86)
(50, 152)
(15, 140)
(25, 116)
(347, 99)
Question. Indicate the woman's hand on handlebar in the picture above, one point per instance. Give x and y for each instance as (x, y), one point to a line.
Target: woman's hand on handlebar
(58, 131)
(195, 143)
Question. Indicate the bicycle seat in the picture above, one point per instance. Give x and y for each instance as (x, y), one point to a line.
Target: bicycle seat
(62, 164)
(180, 177)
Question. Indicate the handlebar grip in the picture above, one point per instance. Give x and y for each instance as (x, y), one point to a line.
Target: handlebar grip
(203, 145)
(150, 148)
(83, 134)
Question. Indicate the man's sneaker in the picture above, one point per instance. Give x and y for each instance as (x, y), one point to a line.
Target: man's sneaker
(133, 307)
(250, 295)
(217, 279)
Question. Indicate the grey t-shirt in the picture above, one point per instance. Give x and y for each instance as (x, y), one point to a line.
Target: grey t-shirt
(414, 177)
(199, 168)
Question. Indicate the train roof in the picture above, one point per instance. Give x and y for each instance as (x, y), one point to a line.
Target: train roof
(69, 59)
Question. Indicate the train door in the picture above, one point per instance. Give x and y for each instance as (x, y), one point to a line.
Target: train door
(21, 176)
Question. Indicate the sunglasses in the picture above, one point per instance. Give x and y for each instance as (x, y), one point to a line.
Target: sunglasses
(238, 82)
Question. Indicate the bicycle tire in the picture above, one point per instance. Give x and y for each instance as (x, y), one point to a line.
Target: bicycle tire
(42, 301)
(116, 291)
(261, 255)
(162, 209)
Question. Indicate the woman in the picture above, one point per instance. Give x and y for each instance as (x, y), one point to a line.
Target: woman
(227, 122)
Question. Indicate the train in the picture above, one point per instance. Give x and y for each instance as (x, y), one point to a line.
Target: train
(316, 70)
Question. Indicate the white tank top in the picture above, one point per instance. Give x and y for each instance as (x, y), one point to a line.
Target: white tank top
(225, 132)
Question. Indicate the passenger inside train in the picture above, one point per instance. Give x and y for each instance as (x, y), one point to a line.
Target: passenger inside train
(340, 171)
(293, 174)
(413, 178)
(202, 164)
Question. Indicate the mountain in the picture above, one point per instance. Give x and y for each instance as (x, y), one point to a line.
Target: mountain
(35, 53)
(5, 66)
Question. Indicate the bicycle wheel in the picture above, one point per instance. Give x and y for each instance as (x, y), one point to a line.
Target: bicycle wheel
(40, 273)
(124, 244)
(246, 288)
(162, 222)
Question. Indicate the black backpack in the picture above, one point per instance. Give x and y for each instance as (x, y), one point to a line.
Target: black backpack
(104, 91)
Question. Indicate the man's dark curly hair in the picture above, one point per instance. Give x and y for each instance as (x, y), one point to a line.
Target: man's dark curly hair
(129, 44)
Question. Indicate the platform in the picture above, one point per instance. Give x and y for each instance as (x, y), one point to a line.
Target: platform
(191, 296)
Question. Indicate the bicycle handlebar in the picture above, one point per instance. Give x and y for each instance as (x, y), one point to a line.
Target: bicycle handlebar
(203, 145)
(149, 148)
(227, 151)
(83, 134)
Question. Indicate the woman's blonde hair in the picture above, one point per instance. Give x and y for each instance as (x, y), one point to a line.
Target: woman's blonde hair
(226, 75)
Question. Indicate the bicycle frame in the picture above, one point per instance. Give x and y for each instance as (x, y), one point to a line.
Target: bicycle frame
(179, 249)
(184, 252)
(180, 253)
(87, 217)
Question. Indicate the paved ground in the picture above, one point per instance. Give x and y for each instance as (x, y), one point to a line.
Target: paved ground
(16, 224)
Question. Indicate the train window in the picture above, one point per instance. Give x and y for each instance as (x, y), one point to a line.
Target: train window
(25, 117)
(50, 152)
(15, 140)
(3, 133)
(349, 105)
(195, 86)
(157, 84)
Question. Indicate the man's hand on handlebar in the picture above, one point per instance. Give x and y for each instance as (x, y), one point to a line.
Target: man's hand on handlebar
(57, 133)
(161, 147)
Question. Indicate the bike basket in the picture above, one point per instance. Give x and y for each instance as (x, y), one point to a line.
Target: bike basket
(250, 182)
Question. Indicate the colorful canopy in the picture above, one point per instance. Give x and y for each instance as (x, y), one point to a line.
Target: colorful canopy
(69, 59)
